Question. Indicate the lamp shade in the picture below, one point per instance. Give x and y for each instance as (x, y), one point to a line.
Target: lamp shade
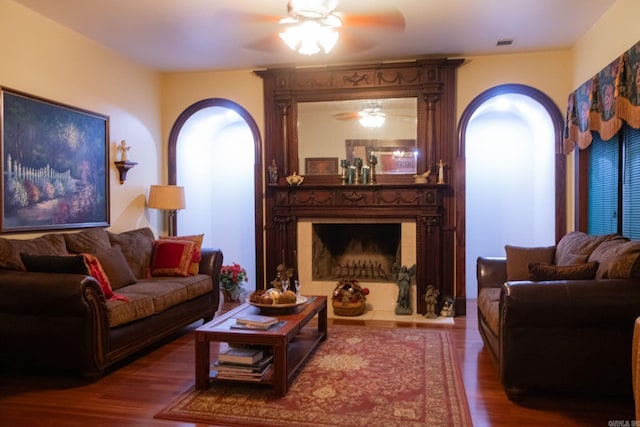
(166, 197)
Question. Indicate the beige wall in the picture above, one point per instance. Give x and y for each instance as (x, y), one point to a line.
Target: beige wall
(615, 32)
(180, 90)
(45, 59)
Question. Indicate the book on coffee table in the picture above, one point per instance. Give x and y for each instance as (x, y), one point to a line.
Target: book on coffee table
(244, 355)
(256, 320)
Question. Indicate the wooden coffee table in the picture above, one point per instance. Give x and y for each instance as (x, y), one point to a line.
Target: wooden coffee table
(291, 342)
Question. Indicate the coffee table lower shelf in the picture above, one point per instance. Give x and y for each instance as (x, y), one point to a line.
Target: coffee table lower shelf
(291, 343)
(298, 351)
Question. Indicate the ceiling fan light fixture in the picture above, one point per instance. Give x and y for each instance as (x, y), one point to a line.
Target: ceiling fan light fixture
(309, 37)
(311, 26)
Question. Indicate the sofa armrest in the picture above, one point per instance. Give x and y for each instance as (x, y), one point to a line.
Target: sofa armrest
(570, 303)
(64, 313)
(50, 294)
(491, 272)
(211, 264)
(568, 335)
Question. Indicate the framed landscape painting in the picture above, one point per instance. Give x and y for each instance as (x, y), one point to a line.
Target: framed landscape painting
(54, 165)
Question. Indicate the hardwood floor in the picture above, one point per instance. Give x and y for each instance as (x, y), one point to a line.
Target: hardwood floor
(131, 394)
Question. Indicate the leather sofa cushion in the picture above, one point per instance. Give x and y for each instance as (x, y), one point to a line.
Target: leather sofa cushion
(518, 259)
(10, 249)
(618, 259)
(539, 271)
(489, 306)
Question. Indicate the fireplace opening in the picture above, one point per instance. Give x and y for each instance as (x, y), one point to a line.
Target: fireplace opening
(365, 252)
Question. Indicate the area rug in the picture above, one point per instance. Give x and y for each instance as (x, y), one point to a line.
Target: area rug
(360, 376)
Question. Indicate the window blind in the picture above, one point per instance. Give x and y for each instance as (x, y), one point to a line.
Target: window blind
(603, 185)
(631, 184)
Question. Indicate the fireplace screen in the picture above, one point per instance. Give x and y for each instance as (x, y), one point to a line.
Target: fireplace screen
(365, 252)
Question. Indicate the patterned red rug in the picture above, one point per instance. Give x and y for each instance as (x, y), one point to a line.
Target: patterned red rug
(360, 376)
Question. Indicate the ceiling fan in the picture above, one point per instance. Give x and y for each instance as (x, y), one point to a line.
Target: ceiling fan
(372, 115)
(311, 26)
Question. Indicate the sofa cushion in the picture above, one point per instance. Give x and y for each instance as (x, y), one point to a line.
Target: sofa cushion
(576, 247)
(489, 306)
(172, 257)
(48, 244)
(136, 246)
(195, 285)
(539, 271)
(197, 240)
(164, 295)
(618, 259)
(115, 266)
(87, 241)
(518, 259)
(137, 306)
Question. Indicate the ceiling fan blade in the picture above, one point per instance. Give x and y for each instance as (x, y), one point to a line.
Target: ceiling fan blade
(350, 115)
(391, 18)
(271, 43)
(238, 17)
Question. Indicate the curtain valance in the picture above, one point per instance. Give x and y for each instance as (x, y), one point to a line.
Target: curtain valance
(604, 102)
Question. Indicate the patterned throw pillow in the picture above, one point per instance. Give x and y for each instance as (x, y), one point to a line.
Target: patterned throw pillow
(540, 271)
(172, 257)
(197, 255)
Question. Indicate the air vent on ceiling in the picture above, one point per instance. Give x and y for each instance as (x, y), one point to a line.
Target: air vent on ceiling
(504, 42)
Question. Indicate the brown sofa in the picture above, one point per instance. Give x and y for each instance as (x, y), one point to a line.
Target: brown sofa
(66, 321)
(569, 331)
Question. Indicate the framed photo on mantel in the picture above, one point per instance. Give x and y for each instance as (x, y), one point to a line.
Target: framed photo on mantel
(54, 165)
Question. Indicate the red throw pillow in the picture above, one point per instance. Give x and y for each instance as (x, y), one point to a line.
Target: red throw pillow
(172, 257)
(95, 270)
(197, 253)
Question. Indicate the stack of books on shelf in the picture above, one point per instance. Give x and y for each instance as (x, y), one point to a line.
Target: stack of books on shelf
(255, 321)
(243, 363)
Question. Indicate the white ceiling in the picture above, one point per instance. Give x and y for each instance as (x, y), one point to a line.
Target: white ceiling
(186, 35)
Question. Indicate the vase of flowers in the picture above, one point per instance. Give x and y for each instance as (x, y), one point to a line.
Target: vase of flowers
(231, 278)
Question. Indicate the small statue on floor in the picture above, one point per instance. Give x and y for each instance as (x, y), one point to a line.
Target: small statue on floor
(403, 277)
(448, 309)
(431, 298)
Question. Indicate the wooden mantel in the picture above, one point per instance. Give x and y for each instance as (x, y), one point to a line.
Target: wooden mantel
(421, 203)
(431, 82)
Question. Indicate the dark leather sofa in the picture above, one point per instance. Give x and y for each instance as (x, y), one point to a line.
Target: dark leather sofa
(565, 335)
(64, 322)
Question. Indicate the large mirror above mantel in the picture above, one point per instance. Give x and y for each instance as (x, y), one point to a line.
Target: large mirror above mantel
(332, 131)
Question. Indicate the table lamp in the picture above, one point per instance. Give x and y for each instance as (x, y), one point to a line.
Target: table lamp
(168, 198)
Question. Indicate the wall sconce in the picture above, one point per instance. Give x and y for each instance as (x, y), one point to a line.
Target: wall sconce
(123, 165)
(168, 198)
